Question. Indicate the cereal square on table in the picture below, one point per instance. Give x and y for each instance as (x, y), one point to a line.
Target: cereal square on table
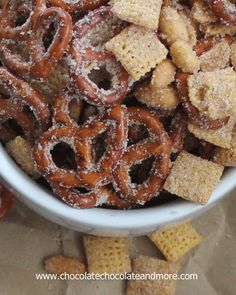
(138, 12)
(177, 241)
(145, 265)
(138, 49)
(193, 178)
(105, 254)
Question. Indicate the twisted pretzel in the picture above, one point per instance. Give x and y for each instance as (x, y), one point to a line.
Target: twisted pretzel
(88, 173)
(224, 10)
(79, 6)
(11, 110)
(6, 201)
(88, 52)
(21, 94)
(199, 119)
(158, 145)
(41, 62)
(8, 28)
(94, 198)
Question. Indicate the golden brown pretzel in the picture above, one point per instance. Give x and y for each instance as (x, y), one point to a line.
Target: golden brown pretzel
(22, 95)
(13, 111)
(42, 61)
(88, 52)
(88, 173)
(79, 6)
(8, 27)
(93, 198)
(199, 119)
(6, 201)
(158, 145)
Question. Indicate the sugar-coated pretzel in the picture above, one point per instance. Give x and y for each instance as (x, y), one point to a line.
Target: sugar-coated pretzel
(6, 201)
(158, 145)
(89, 89)
(205, 44)
(41, 62)
(61, 107)
(94, 198)
(8, 28)
(11, 110)
(177, 132)
(89, 31)
(199, 119)
(88, 52)
(224, 10)
(78, 6)
(88, 174)
(22, 94)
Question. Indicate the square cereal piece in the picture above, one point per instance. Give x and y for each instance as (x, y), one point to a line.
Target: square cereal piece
(221, 137)
(213, 93)
(138, 12)
(226, 157)
(193, 178)
(149, 265)
(139, 50)
(110, 255)
(177, 241)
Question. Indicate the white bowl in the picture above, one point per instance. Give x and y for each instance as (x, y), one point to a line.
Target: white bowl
(98, 221)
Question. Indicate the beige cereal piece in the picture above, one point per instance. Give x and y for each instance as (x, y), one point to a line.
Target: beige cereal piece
(138, 12)
(184, 57)
(221, 137)
(144, 265)
(217, 58)
(193, 178)
(62, 264)
(163, 75)
(213, 93)
(160, 98)
(175, 242)
(233, 55)
(191, 26)
(104, 254)
(139, 50)
(218, 29)
(202, 13)
(21, 151)
(172, 26)
(226, 157)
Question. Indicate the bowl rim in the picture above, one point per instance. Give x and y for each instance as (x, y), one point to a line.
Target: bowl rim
(31, 192)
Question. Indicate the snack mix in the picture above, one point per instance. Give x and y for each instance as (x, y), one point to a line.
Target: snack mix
(118, 103)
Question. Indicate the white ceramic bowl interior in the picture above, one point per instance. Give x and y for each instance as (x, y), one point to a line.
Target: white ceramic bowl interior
(106, 222)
